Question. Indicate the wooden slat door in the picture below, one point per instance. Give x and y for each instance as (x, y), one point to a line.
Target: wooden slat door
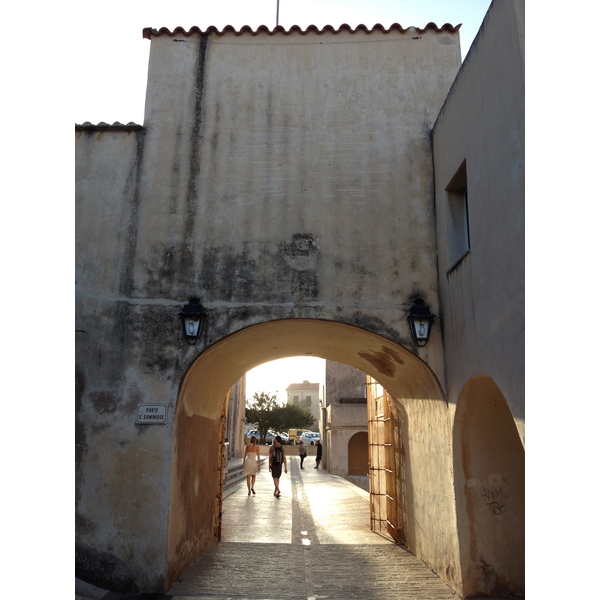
(386, 470)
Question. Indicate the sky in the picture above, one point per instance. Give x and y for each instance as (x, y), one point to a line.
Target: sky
(274, 377)
(110, 57)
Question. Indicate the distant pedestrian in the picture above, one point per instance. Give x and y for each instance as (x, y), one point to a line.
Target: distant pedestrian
(301, 453)
(251, 465)
(277, 459)
(319, 453)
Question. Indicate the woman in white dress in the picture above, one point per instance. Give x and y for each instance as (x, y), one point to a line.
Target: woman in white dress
(251, 464)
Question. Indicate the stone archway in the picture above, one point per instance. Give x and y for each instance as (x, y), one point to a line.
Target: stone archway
(489, 463)
(195, 467)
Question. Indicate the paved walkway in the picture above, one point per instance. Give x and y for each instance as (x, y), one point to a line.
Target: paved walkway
(312, 543)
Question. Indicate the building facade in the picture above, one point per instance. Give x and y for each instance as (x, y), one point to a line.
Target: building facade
(307, 187)
(345, 440)
(306, 395)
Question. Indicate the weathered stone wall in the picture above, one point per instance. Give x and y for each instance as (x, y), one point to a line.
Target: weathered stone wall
(342, 381)
(303, 160)
(122, 360)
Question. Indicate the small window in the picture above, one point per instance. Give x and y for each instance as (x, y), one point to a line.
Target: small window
(459, 243)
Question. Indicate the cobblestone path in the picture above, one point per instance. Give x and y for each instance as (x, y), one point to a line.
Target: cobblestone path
(313, 543)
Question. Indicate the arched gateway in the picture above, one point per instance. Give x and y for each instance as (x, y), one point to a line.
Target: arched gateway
(195, 471)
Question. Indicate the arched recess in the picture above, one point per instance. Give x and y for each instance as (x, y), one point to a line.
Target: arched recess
(489, 461)
(194, 470)
(358, 454)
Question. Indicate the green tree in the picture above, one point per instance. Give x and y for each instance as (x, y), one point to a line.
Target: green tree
(263, 410)
(259, 410)
(291, 416)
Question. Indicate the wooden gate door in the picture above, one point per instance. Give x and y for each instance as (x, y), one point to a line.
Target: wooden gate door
(385, 463)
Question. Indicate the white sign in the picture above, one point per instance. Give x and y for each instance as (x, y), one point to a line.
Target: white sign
(152, 414)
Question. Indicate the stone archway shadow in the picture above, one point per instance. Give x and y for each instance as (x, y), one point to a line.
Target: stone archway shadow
(195, 457)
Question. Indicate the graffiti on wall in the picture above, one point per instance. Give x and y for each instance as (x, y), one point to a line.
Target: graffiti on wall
(493, 494)
(496, 500)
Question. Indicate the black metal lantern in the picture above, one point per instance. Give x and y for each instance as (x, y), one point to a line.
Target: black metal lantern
(420, 320)
(192, 320)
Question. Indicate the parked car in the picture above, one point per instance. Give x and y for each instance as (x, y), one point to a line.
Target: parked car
(310, 437)
(284, 438)
(268, 438)
(294, 435)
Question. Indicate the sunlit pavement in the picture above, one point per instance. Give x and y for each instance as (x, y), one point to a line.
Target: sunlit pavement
(314, 542)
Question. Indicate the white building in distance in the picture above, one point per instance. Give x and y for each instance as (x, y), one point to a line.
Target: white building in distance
(305, 395)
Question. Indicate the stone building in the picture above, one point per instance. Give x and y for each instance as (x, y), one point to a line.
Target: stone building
(345, 440)
(310, 188)
(306, 395)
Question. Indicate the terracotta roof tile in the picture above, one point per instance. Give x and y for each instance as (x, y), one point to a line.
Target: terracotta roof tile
(102, 126)
(302, 386)
(148, 32)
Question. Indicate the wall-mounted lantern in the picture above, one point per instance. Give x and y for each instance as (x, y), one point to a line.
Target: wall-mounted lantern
(192, 320)
(420, 320)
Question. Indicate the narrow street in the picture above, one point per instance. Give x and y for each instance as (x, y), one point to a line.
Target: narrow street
(314, 542)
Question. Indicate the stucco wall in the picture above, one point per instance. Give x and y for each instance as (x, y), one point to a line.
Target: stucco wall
(319, 145)
(483, 300)
(430, 486)
(483, 297)
(122, 469)
(345, 420)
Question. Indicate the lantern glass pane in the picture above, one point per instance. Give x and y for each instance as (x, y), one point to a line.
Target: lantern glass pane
(422, 329)
(191, 326)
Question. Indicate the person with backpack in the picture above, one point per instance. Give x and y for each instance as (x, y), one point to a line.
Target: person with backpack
(277, 460)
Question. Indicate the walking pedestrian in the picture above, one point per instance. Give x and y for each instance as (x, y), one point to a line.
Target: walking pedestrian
(251, 464)
(277, 459)
(319, 453)
(301, 453)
